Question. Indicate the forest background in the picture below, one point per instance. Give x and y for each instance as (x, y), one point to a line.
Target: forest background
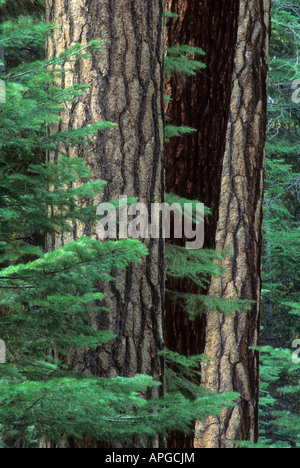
(40, 398)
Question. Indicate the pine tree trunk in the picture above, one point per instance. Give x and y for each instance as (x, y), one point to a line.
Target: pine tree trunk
(222, 165)
(194, 162)
(127, 87)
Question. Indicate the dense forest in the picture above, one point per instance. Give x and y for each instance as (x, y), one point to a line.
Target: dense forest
(149, 235)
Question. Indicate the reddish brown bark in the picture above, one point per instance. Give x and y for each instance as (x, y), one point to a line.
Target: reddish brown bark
(222, 166)
(194, 162)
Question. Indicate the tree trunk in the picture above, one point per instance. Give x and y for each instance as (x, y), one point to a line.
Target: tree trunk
(127, 87)
(222, 165)
(194, 162)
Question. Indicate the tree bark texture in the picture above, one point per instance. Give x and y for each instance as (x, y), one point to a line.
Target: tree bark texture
(194, 162)
(126, 79)
(222, 165)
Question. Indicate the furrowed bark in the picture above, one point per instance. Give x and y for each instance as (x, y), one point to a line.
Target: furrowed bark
(222, 165)
(235, 366)
(194, 162)
(127, 87)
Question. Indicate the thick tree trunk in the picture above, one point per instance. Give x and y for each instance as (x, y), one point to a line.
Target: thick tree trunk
(127, 87)
(223, 166)
(194, 162)
(240, 231)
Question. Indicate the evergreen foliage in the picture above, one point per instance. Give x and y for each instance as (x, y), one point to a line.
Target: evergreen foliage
(172, 131)
(197, 266)
(49, 300)
(280, 306)
(182, 60)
